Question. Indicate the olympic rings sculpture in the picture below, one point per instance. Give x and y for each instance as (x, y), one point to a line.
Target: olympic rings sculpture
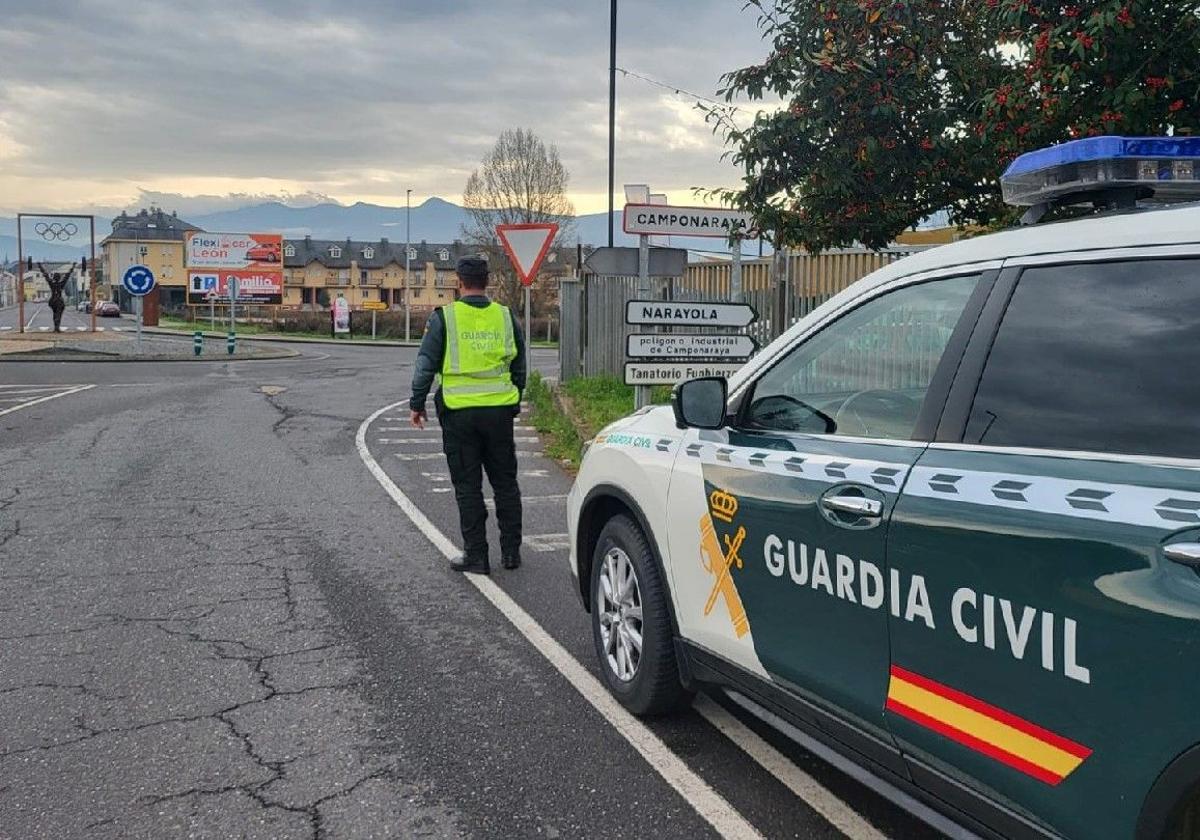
(56, 231)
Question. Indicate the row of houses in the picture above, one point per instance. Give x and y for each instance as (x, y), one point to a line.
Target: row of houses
(315, 270)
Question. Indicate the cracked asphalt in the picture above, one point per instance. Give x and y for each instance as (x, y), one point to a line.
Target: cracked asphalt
(213, 623)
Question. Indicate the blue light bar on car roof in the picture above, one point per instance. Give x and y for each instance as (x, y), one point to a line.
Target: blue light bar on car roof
(1166, 166)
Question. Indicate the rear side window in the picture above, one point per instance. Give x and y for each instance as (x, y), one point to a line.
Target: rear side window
(1098, 357)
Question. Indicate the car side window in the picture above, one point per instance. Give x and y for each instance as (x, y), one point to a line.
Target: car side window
(1096, 357)
(866, 374)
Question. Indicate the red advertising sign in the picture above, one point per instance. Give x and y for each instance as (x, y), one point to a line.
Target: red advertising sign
(263, 251)
(254, 286)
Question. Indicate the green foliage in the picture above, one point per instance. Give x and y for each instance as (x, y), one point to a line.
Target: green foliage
(563, 441)
(593, 401)
(893, 110)
(1089, 68)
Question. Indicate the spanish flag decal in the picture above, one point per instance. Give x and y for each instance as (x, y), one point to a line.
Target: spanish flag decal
(1011, 740)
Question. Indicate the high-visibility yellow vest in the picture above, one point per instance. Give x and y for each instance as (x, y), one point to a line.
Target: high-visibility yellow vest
(480, 346)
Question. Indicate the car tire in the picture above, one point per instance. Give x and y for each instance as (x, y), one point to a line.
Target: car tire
(650, 685)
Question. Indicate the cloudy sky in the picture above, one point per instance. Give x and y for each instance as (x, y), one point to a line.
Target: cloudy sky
(104, 103)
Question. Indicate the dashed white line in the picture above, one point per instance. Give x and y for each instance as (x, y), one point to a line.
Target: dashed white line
(709, 804)
(435, 440)
(437, 456)
(544, 543)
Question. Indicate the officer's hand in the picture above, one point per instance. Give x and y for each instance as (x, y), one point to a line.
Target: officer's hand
(418, 419)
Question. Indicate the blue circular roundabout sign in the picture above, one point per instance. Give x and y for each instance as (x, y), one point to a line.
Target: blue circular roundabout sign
(138, 280)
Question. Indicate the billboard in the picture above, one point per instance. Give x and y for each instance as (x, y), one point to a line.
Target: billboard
(254, 287)
(255, 259)
(235, 250)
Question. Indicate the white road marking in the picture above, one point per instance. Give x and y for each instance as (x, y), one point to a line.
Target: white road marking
(74, 390)
(543, 543)
(434, 456)
(31, 389)
(5, 328)
(818, 797)
(81, 329)
(33, 317)
(709, 804)
(43, 329)
(535, 473)
(491, 505)
(822, 801)
(435, 440)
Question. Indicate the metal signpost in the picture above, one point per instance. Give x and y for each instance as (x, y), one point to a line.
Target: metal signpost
(645, 374)
(527, 246)
(212, 310)
(231, 339)
(690, 346)
(138, 281)
(375, 306)
(667, 313)
(625, 262)
(677, 356)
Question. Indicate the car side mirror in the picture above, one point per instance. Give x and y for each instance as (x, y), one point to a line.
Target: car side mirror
(700, 403)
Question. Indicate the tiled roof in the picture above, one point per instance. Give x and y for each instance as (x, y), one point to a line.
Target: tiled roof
(382, 253)
(150, 225)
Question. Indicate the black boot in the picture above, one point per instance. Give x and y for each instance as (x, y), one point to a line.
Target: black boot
(474, 565)
(511, 560)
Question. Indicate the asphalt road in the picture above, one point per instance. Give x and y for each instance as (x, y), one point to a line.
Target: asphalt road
(216, 623)
(39, 319)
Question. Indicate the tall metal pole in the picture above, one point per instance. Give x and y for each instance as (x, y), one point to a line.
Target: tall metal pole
(612, 114)
(20, 278)
(641, 393)
(91, 278)
(735, 272)
(407, 265)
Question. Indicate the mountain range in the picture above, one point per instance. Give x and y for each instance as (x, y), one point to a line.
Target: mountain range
(435, 220)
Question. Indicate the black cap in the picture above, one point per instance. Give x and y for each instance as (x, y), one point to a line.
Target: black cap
(472, 268)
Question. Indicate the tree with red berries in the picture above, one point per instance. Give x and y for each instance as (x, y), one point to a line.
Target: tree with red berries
(891, 111)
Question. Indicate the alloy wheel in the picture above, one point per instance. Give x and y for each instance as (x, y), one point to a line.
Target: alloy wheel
(620, 614)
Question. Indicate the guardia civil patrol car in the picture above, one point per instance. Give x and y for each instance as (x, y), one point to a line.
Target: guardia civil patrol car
(946, 529)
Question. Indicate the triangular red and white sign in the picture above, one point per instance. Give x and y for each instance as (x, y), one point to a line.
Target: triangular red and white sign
(527, 246)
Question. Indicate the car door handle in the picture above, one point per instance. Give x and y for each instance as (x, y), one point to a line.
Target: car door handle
(1186, 554)
(855, 506)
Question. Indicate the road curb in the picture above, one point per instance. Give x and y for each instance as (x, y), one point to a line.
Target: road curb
(349, 342)
(103, 358)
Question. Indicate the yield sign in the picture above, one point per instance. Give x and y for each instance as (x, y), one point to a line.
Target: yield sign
(527, 246)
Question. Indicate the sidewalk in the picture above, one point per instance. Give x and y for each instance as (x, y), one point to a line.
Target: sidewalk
(358, 342)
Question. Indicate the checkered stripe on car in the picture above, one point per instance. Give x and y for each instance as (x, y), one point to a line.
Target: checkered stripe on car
(829, 469)
(1125, 503)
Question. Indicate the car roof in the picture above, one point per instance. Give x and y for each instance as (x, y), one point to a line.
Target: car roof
(1163, 225)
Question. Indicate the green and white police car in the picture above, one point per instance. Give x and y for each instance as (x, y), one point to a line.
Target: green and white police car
(946, 529)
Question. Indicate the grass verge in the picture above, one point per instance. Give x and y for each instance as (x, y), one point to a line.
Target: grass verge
(591, 403)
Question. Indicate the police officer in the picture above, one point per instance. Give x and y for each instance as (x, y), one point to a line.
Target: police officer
(478, 348)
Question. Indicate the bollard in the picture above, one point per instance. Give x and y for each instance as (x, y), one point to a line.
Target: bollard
(197, 342)
(230, 342)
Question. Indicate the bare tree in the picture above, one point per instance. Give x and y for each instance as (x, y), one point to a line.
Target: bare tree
(520, 181)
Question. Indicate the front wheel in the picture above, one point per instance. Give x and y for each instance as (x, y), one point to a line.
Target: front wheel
(631, 626)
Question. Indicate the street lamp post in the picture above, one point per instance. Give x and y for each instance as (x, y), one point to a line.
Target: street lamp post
(612, 112)
(407, 265)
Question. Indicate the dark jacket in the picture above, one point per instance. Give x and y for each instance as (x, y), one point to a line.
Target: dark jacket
(433, 352)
